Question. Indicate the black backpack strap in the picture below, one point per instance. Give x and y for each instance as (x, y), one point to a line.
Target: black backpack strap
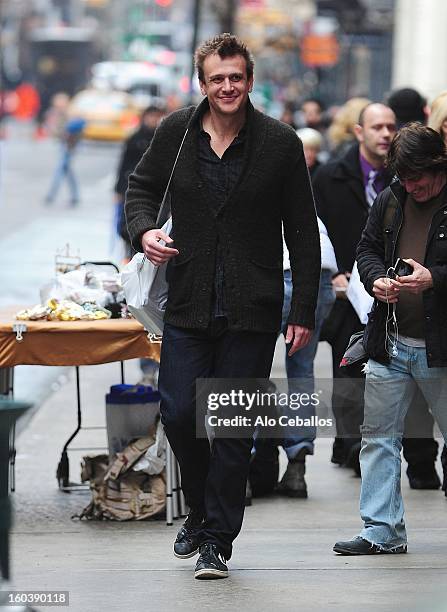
(387, 227)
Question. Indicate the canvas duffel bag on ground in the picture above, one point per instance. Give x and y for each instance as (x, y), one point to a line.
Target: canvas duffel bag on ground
(118, 492)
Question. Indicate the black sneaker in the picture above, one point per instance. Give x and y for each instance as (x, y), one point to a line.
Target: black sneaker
(360, 546)
(211, 563)
(186, 544)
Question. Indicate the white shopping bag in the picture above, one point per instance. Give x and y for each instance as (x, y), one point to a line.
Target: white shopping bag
(146, 290)
(358, 296)
(154, 461)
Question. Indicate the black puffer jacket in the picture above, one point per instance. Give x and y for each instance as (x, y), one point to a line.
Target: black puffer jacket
(341, 204)
(374, 258)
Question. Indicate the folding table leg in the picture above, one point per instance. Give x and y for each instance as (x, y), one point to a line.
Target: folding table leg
(12, 458)
(181, 497)
(169, 505)
(63, 469)
(7, 389)
(175, 487)
(7, 381)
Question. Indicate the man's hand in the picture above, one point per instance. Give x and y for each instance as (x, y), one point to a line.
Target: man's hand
(341, 280)
(340, 284)
(154, 251)
(298, 336)
(417, 282)
(386, 290)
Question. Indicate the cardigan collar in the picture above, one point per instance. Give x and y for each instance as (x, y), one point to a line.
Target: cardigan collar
(256, 131)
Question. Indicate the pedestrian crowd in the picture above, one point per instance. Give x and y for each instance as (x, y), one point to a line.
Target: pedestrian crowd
(363, 195)
(274, 221)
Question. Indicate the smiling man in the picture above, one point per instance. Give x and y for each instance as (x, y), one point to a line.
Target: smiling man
(240, 177)
(410, 355)
(344, 192)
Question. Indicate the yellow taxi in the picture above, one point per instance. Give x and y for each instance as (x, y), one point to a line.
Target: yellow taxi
(109, 115)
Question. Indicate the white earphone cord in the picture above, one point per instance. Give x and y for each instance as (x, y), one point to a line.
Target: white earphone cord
(391, 336)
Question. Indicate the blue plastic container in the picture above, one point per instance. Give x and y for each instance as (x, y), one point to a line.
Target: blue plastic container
(130, 412)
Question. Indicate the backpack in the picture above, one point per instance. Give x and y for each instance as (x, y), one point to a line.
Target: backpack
(73, 132)
(387, 226)
(118, 492)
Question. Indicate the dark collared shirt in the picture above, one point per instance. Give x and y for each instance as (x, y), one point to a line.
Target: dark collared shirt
(220, 175)
(380, 182)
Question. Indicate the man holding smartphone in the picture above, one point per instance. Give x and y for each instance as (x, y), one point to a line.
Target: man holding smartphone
(345, 190)
(406, 336)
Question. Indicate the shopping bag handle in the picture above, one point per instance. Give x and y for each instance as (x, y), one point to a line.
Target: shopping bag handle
(165, 208)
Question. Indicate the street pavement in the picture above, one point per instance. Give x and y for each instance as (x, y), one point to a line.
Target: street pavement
(31, 233)
(282, 560)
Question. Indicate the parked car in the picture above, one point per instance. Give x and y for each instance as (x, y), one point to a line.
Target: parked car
(109, 115)
(151, 79)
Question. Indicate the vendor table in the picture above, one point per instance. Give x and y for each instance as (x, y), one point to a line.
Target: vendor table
(72, 343)
(69, 343)
(79, 343)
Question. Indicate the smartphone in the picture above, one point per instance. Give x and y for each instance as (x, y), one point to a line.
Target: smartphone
(402, 268)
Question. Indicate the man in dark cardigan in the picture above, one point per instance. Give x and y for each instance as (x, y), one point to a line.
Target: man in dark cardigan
(240, 177)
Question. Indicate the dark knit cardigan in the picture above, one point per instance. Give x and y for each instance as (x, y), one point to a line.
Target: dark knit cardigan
(273, 188)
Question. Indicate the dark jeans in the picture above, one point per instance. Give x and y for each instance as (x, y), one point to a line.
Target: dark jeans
(349, 384)
(213, 479)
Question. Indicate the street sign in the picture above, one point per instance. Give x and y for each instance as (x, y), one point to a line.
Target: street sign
(319, 50)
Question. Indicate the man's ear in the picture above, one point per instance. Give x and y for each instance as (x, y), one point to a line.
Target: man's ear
(202, 88)
(250, 84)
(358, 131)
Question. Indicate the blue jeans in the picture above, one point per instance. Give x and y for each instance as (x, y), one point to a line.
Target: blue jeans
(300, 367)
(64, 170)
(389, 392)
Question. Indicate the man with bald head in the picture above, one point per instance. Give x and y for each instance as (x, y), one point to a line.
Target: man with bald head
(344, 191)
(346, 188)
